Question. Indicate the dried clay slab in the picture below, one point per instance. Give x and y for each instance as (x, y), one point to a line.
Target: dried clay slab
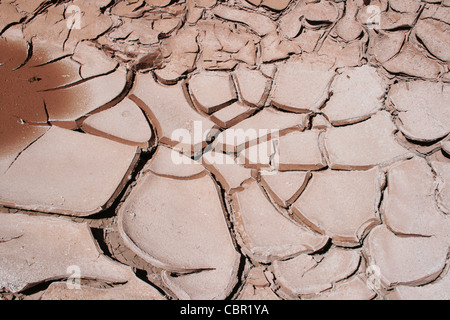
(296, 150)
(348, 28)
(311, 274)
(133, 289)
(179, 226)
(411, 61)
(357, 94)
(37, 249)
(434, 35)
(364, 145)
(266, 122)
(266, 234)
(227, 170)
(84, 98)
(9, 15)
(50, 31)
(302, 84)
(232, 115)
(67, 172)
(172, 164)
(254, 87)
(341, 204)
(124, 123)
(176, 123)
(436, 290)
(410, 260)
(285, 187)
(409, 204)
(257, 286)
(23, 113)
(93, 61)
(212, 91)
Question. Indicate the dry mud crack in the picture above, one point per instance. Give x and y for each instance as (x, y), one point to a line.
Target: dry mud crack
(239, 149)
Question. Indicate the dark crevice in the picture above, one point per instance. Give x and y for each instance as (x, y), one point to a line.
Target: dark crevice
(41, 287)
(383, 193)
(79, 82)
(29, 55)
(240, 281)
(342, 125)
(67, 36)
(38, 288)
(98, 235)
(424, 143)
(51, 61)
(46, 113)
(324, 23)
(445, 153)
(420, 41)
(325, 248)
(11, 24)
(175, 274)
(143, 275)
(110, 212)
(106, 7)
(405, 27)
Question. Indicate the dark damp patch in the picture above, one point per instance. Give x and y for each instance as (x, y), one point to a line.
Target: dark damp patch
(22, 106)
(153, 60)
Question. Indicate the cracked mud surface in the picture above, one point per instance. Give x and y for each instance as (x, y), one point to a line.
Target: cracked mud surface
(122, 174)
